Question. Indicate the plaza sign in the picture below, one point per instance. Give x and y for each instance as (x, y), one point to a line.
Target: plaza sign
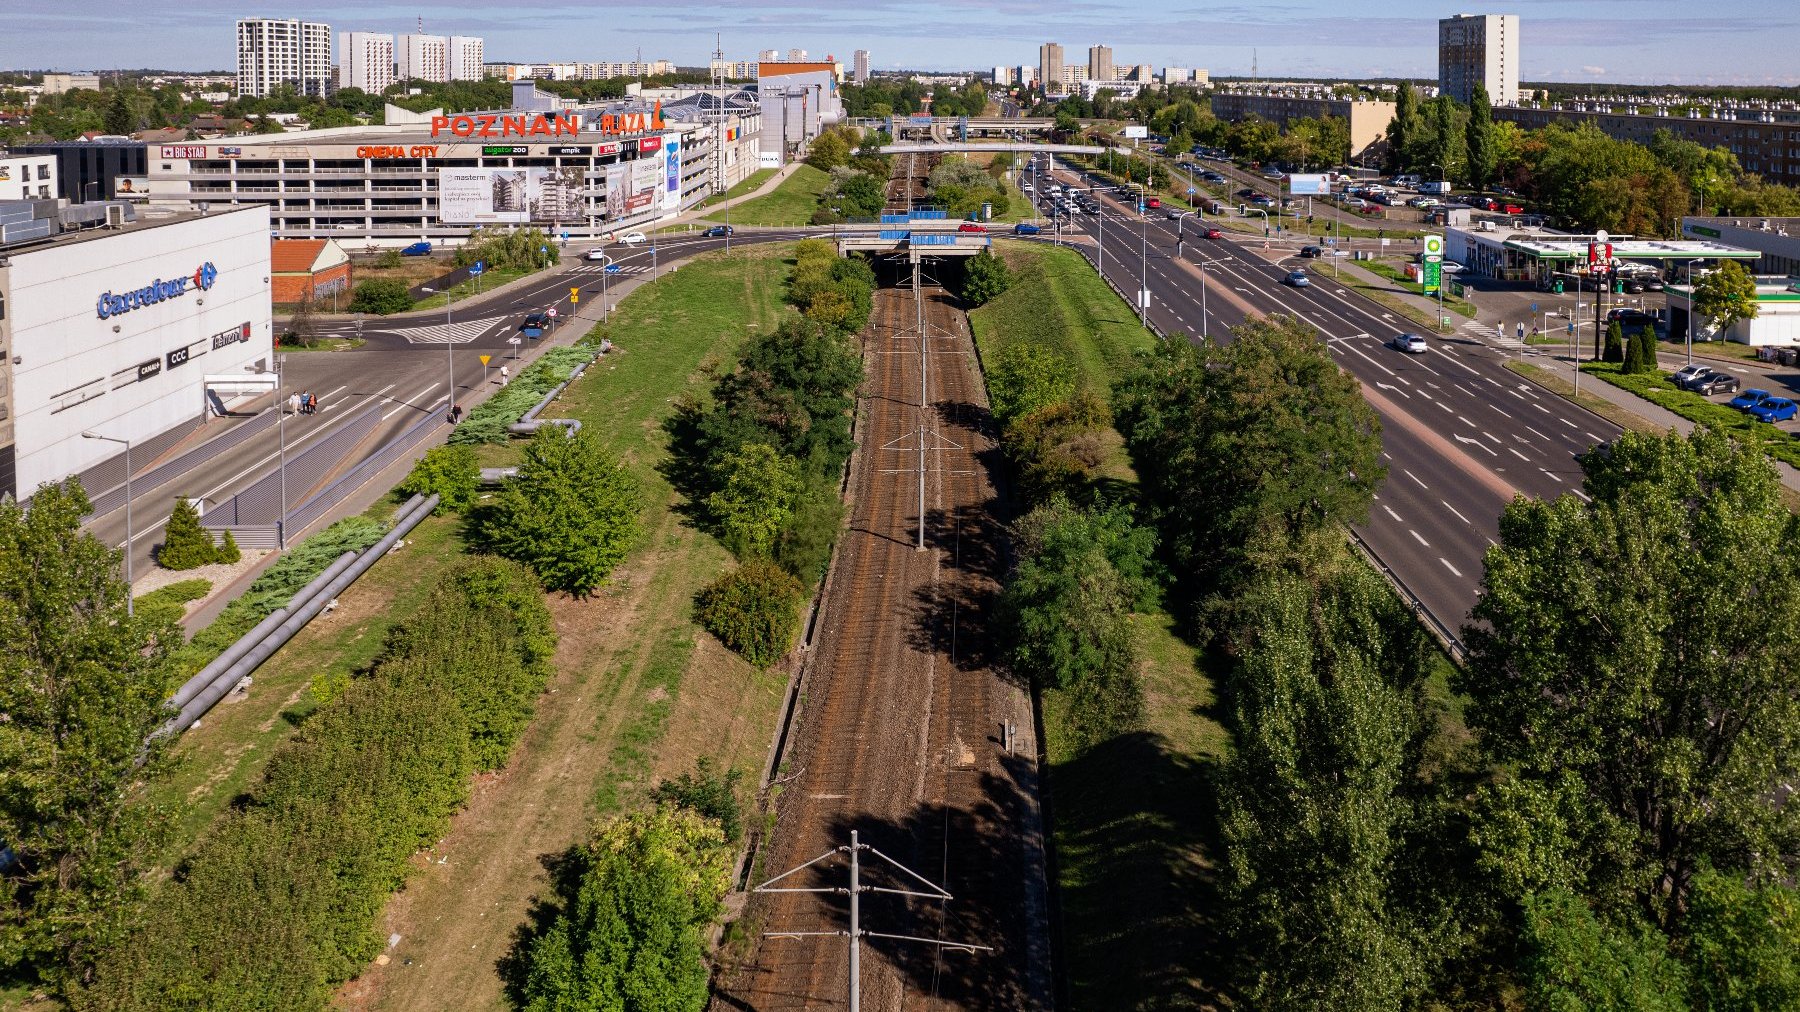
(110, 304)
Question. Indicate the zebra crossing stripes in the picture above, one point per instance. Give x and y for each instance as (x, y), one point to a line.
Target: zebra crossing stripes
(601, 268)
(455, 333)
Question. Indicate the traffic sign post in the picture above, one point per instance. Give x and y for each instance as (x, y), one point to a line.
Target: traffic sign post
(515, 342)
(484, 369)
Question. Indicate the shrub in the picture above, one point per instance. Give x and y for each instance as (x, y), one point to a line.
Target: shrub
(1615, 344)
(985, 278)
(753, 610)
(227, 552)
(804, 545)
(488, 422)
(381, 296)
(710, 790)
(169, 602)
(450, 472)
(186, 545)
(631, 931)
(1026, 377)
(570, 515)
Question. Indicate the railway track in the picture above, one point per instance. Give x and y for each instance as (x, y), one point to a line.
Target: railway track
(902, 734)
(906, 186)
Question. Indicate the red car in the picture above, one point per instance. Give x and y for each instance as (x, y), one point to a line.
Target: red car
(1514, 209)
(1153, 202)
(969, 226)
(1213, 233)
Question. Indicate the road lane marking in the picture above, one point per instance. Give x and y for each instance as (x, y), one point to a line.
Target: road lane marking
(1391, 513)
(1517, 454)
(1415, 478)
(1453, 570)
(1453, 509)
(1418, 538)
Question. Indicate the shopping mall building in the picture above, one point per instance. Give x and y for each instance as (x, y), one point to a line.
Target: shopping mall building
(128, 323)
(587, 172)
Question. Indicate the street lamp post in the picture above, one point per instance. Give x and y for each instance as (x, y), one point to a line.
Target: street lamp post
(128, 530)
(281, 435)
(1143, 272)
(1690, 310)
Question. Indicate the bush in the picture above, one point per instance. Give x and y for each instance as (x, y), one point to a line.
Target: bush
(168, 603)
(186, 545)
(450, 472)
(710, 791)
(757, 487)
(488, 422)
(391, 260)
(280, 901)
(1026, 377)
(804, 545)
(381, 296)
(1615, 344)
(985, 278)
(631, 932)
(227, 552)
(754, 610)
(570, 515)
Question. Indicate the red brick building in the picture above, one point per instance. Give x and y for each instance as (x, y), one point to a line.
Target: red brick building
(302, 267)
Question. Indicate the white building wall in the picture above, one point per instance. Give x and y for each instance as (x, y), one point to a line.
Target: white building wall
(276, 51)
(465, 55)
(78, 371)
(28, 177)
(365, 61)
(423, 58)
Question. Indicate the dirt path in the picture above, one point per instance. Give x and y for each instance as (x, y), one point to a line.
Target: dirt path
(900, 735)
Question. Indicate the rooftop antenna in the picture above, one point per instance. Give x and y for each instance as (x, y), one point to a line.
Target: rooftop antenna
(421, 24)
(1253, 66)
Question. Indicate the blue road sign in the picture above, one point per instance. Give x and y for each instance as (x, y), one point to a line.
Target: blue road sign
(1190, 191)
(613, 268)
(1534, 307)
(565, 235)
(1571, 326)
(477, 267)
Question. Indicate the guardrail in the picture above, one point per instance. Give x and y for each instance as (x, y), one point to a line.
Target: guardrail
(1445, 637)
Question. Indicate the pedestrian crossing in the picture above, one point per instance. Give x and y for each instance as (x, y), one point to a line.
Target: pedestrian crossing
(455, 333)
(601, 269)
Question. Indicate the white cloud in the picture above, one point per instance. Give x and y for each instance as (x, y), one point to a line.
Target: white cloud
(1591, 69)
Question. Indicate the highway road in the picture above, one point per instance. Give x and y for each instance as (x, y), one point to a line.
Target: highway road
(1461, 434)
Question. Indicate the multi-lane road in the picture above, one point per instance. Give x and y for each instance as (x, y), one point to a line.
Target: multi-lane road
(1461, 434)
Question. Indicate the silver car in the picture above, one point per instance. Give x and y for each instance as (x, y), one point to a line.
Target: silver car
(1412, 344)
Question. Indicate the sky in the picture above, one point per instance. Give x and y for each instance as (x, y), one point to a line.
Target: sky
(1625, 41)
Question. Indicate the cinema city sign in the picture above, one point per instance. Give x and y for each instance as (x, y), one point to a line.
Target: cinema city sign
(488, 124)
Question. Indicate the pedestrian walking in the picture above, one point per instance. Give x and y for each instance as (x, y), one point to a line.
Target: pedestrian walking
(503, 375)
(1521, 330)
(293, 403)
(312, 404)
(306, 402)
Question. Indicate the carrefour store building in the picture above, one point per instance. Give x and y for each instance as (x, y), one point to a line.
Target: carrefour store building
(586, 173)
(122, 330)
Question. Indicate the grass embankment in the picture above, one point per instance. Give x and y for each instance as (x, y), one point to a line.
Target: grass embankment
(791, 203)
(1604, 408)
(638, 692)
(746, 185)
(1133, 816)
(486, 282)
(1656, 388)
(1398, 277)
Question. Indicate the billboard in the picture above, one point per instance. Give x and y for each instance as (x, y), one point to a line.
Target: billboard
(1314, 185)
(1136, 133)
(672, 155)
(509, 195)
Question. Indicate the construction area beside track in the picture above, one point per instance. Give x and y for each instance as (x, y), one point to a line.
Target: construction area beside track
(906, 733)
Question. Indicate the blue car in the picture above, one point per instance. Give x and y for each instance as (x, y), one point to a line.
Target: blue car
(1298, 279)
(1749, 399)
(1025, 228)
(1774, 409)
(417, 249)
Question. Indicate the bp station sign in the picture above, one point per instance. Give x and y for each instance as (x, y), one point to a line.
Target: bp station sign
(1431, 266)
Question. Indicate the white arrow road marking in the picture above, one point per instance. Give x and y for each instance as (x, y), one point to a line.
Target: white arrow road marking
(1390, 386)
(1474, 442)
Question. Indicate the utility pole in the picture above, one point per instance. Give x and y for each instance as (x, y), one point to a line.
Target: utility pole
(924, 399)
(857, 932)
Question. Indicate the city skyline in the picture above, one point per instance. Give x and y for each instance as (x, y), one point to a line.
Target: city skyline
(1569, 42)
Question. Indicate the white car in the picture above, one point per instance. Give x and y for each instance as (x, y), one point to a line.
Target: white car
(1410, 343)
(1451, 267)
(596, 255)
(633, 239)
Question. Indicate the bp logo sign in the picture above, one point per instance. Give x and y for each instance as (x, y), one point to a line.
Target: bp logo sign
(1434, 245)
(1431, 269)
(112, 304)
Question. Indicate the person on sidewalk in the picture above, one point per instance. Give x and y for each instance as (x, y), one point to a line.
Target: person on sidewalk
(293, 403)
(503, 375)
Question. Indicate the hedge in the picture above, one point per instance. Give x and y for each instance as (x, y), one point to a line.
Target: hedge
(488, 421)
(279, 902)
(1656, 388)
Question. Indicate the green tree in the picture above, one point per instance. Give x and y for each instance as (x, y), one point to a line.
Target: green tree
(1404, 129)
(1742, 944)
(757, 491)
(381, 296)
(1026, 377)
(1248, 446)
(829, 150)
(1484, 154)
(227, 552)
(570, 514)
(1615, 345)
(1647, 708)
(1576, 962)
(711, 790)
(121, 119)
(186, 545)
(82, 685)
(1726, 296)
(451, 473)
(985, 279)
(754, 610)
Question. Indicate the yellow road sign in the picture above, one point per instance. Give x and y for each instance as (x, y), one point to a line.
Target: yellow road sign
(574, 293)
(484, 360)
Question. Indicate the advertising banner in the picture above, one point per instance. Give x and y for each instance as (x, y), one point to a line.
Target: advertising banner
(1308, 185)
(508, 195)
(646, 182)
(1136, 133)
(672, 155)
(131, 187)
(618, 180)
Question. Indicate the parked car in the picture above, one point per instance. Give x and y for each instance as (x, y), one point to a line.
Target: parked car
(1298, 279)
(969, 226)
(718, 230)
(1410, 343)
(1716, 383)
(1775, 409)
(1688, 373)
(1026, 228)
(633, 239)
(596, 255)
(1246, 192)
(421, 248)
(1213, 233)
(1450, 267)
(1749, 399)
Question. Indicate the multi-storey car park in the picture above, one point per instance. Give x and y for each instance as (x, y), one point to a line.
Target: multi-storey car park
(588, 173)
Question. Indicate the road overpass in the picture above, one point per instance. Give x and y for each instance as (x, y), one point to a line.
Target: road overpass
(923, 148)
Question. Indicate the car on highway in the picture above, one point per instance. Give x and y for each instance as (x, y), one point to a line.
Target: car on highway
(969, 226)
(1026, 228)
(1212, 177)
(1212, 233)
(718, 230)
(1154, 203)
(1775, 409)
(1715, 383)
(1298, 279)
(596, 255)
(421, 248)
(633, 239)
(1749, 399)
(1246, 192)
(1263, 200)
(1412, 344)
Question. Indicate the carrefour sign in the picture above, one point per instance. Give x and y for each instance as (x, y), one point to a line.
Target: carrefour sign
(116, 304)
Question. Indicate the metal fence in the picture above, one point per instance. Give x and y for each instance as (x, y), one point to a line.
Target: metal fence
(261, 502)
(260, 537)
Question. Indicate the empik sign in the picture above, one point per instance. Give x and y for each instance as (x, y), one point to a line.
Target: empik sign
(111, 304)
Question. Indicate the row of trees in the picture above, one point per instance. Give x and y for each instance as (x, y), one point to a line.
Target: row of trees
(760, 462)
(859, 172)
(961, 187)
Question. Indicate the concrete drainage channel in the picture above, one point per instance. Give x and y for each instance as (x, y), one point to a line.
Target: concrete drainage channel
(202, 692)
